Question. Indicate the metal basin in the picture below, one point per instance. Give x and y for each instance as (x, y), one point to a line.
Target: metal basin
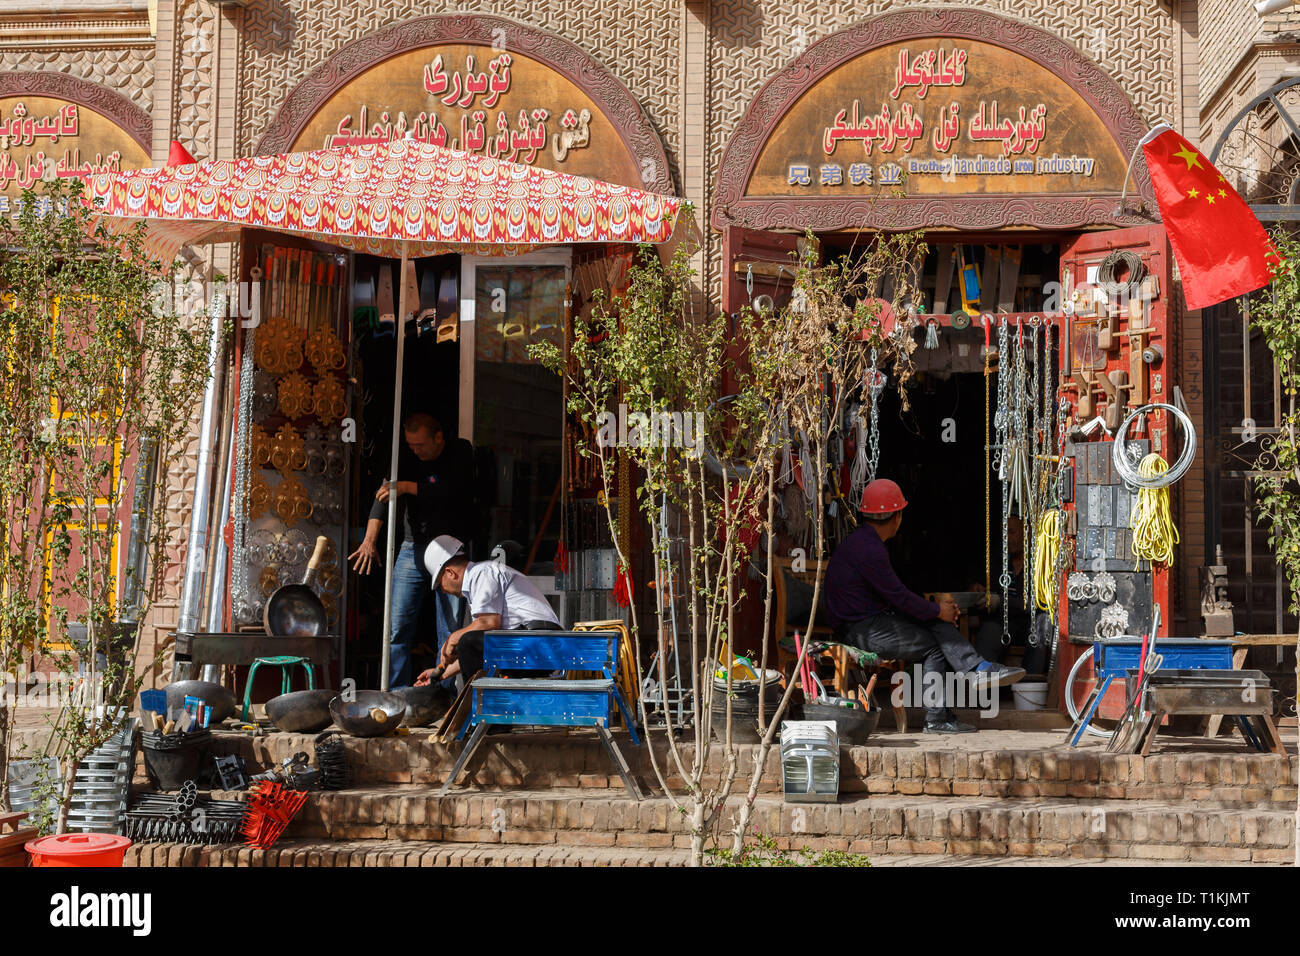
(424, 704)
(213, 695)
(301, 712)
(355, 717)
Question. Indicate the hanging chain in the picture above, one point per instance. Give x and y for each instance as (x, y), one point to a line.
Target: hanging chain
(242, 608)
(1006, 430)
(988, 483)
(1035, 468)
(873, 434)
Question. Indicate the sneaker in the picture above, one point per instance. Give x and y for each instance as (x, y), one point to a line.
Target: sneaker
(948, 727)
(997, 676)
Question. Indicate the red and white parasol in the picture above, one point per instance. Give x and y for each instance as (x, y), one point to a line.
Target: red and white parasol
(401, 198)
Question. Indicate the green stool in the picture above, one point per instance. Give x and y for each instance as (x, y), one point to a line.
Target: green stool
(286, 663)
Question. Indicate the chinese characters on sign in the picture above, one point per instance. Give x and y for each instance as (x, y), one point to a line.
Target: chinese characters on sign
(938, 116)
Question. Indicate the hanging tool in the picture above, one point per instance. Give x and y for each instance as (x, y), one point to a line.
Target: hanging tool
(1083, 407)
(969, 283)
(1137, 364)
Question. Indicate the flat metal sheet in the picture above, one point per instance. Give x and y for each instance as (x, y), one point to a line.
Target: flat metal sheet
(1132, 592)
(1105, 517)
(1123, 506)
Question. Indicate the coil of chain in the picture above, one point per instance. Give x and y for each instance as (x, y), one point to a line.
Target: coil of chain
(241, 607)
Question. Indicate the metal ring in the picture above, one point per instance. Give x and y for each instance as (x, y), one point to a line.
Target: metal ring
(1176, 471)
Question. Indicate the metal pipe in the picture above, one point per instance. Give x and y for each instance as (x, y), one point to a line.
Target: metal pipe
(197, 547)
(217, 593)
(392, 485)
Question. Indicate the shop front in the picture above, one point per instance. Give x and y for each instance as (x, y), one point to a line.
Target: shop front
(1046, 309)
(55, 126)
(500, 90)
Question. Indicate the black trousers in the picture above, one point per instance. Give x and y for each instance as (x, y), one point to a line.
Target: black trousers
(469, 650)
(938, 645)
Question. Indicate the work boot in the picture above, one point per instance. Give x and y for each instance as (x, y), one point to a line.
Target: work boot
(949, 726)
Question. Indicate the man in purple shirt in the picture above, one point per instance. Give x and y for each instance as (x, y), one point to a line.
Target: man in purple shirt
(871, 609)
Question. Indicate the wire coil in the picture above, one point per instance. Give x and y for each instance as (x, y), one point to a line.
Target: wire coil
(1132, 476)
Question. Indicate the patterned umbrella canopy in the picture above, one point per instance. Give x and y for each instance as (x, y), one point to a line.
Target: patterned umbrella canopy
(379, 197)
(403, 199)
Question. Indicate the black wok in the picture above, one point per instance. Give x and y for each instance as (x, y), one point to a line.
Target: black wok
(294, 610)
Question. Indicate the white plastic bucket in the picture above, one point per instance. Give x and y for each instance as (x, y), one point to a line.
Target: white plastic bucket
(1030, 695)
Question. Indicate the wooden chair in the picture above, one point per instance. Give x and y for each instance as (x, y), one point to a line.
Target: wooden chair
(837, 654)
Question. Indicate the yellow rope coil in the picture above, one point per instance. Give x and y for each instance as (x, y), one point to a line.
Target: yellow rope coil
(1046, 543)
(1154, 534)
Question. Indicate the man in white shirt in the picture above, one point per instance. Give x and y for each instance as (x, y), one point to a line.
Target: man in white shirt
(500, 598)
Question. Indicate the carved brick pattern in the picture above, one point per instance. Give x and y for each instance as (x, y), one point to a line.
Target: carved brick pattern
(195, 55)
(127, 71)
(636, 40)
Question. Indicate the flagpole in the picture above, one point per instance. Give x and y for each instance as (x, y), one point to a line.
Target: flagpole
(392, 471)
(1151, 134)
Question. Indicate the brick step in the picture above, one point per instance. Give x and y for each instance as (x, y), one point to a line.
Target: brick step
(1020, 764)
(364, 853)
(984, 826)
(396, 853)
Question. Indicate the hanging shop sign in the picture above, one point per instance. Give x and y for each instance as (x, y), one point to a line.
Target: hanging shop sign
(885, 119)
(46, 136)
(493, 88)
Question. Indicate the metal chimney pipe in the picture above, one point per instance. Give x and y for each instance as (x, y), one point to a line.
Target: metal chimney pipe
(196, 552)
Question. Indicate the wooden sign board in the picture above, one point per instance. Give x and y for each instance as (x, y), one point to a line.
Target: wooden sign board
(497, 103)
(938, 117)
(44, 137)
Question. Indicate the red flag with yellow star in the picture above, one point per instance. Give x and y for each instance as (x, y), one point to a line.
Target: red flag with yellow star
(1221, 248)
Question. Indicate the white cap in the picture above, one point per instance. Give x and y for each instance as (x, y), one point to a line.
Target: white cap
(441, 550)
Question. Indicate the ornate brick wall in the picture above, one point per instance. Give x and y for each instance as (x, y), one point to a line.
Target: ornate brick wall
(129, 71)
(285, 39)
(750, 40)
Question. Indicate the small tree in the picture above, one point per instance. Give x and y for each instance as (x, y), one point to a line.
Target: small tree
(100, 378)
(651, 357)
(830, 345)
(1276, 313)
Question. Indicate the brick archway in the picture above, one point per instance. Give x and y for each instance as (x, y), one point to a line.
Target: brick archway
(783, 90)
(110, 104)
(625, 115)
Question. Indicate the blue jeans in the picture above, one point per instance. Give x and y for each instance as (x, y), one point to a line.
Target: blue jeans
(451, 617)
(411, 585)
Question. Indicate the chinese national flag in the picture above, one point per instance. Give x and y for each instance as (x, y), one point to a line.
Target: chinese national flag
(1221, 248)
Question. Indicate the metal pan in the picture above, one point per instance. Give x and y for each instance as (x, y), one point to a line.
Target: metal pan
(294, 610)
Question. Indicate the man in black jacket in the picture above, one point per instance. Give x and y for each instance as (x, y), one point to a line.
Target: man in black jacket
(435, 492)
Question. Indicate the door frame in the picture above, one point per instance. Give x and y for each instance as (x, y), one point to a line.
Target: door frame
(468, 300)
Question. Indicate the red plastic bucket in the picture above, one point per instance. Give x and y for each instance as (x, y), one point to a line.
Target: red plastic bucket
(78, 849)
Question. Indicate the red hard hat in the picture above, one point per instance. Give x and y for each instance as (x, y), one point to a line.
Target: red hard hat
(882, 497)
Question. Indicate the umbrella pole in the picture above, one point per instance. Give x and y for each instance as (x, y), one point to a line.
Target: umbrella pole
(392, 487)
